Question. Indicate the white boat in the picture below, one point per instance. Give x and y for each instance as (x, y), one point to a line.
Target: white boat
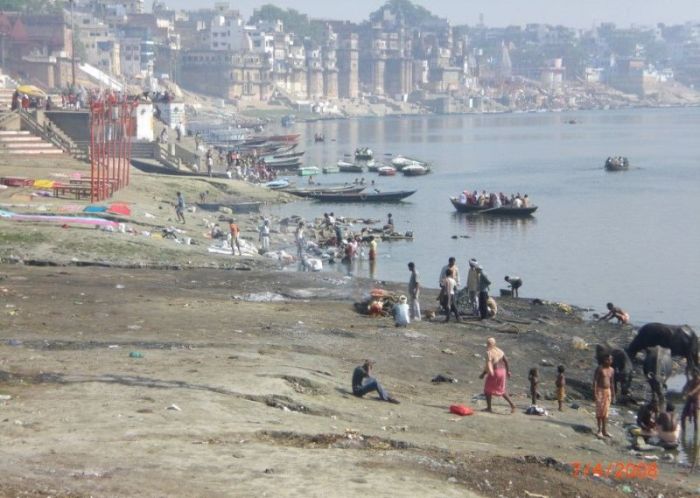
(400, 162)
(276, 184)
(386, 171)
(415, 170)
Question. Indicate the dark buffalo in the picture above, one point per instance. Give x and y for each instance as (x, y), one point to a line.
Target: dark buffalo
(681, 340)
(622, 365)
(657, 368)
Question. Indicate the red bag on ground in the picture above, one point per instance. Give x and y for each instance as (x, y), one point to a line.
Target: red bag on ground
(461, 410)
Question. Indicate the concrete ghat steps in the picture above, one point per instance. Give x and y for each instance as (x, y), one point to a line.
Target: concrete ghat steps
(24, 143)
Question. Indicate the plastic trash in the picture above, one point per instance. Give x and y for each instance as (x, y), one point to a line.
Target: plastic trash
(578, 343)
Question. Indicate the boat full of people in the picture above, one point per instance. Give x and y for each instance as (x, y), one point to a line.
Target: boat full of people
(618, 163)
(493, 203)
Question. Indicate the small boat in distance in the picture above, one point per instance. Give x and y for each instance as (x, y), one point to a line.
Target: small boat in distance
(277, 184)
(309, 171)
(346, 167)
(314, 191)
(363, 154)
(400, 162)
(618, 163)
(366, 197)
(387, 171)
(331, 169)
(496, 211)
(415, 170)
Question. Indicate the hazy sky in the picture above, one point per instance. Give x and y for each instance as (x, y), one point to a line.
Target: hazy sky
(576, 13)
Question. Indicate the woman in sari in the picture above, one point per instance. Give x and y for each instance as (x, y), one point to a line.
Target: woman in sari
(496, 371)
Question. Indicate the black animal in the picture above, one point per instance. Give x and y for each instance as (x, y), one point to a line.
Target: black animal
(622, 365)
(657, 368)
(681, 340)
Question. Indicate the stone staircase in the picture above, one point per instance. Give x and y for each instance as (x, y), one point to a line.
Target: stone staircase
(24, 143)
(6, 98)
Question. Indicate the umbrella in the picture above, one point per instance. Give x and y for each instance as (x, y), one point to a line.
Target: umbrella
(31, 90)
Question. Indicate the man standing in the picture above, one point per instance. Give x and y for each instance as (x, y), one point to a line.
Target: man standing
(413, 293)
(299, 239)
(473, 286)
(363, 383)
(484, 284)
(235, 235)
(180, 208)
(372, 248)
(265, 236)
(210, 162)
(451, 265)
(450, 288)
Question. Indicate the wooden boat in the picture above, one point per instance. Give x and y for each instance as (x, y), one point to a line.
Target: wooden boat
(284, 138)
(292, 163)
(315, 191)
(277, 184)
(236, 206)
(309, 171)
(617, 164)
(386, 171)
(366, 197)
(346, 167)
(363, 154)
(331, 169)
(415, 170)
(499, 211)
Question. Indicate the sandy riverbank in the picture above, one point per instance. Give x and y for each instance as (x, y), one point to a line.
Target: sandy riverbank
(243, 385)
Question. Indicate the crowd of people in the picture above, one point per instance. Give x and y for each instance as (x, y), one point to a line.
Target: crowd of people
(494, 200)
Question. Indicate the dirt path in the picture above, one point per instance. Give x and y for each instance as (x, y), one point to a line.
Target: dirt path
(242, 389)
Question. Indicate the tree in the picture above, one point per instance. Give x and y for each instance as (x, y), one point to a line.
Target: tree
(414, 15)
(32, 6)
(293, 20)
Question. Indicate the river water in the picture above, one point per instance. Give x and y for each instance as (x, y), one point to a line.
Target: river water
(629, 237)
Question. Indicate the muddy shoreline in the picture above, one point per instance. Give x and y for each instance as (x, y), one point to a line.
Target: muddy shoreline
(241, 387)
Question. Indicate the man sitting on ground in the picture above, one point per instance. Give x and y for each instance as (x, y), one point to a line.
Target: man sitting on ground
(363, 383)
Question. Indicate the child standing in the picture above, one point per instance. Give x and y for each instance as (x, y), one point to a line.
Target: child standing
(604, 391)
(533, 377)
(561, 387)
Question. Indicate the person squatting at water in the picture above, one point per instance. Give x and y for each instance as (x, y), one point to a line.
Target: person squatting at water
(363, 383)
(496, 371)
(515, 283)
(615, 312)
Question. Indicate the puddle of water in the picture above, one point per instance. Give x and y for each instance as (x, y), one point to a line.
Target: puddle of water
(675, 383)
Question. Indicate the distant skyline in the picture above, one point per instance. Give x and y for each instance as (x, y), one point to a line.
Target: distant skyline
(574, 13)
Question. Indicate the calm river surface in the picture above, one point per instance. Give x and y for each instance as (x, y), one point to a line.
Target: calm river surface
(629, 237)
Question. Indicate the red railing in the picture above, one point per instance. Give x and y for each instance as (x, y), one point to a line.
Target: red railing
(110, 145)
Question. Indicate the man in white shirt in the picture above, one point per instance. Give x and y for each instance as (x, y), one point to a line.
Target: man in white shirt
(451, 265)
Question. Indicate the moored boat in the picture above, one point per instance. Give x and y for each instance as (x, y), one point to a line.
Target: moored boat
(415, 170)
(363, 154)
(309, 171)
(315, 191)
(400, 162)
(277, 184)
(331, 169)
(346, 167)
(386, 171)
(497, 211)
(617, 164)
(366, 197)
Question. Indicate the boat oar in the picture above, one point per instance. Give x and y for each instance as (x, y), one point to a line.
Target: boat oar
(489, 209)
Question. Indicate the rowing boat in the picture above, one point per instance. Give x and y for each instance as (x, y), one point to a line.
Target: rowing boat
(366, 197)
(315, 191)
(498, 211)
